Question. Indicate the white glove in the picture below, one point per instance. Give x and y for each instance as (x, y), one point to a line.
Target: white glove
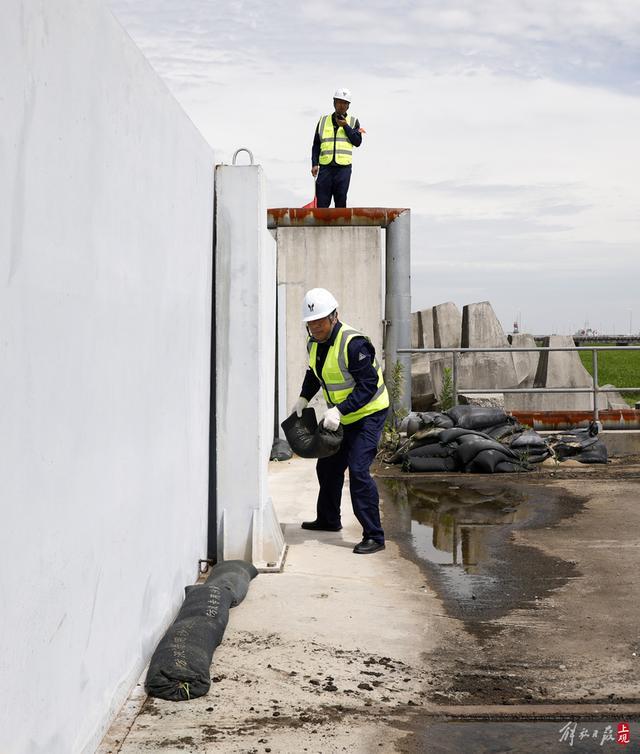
(300, 404)
(331, 419)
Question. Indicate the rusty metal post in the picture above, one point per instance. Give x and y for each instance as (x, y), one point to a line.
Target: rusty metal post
(398, 303)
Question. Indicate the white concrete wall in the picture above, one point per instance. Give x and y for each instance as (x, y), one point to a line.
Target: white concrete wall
(105, 305)
(348, 261)
(245, 367)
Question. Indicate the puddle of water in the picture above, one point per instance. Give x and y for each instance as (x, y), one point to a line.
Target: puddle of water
(540, 737)
(462, 535)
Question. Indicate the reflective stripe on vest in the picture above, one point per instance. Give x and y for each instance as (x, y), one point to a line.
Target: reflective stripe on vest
(334, 144)
(337, 381)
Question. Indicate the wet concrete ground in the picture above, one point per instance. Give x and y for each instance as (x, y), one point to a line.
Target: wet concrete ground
(541, 578)
(503, 609)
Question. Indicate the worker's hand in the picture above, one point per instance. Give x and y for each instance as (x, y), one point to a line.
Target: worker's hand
(331, 419)
(314, 170)
(361, 131)
(341, 121)
(300, 404)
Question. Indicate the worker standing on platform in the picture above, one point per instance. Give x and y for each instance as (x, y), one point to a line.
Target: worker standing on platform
(331, 155)
(343, 362)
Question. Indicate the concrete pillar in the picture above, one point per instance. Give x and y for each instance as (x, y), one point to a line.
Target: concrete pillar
(345, 260)
(245, 322)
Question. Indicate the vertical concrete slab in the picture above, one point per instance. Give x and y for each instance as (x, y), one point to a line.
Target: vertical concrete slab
(345, 260)
(481, 329)
(447, 326)
(525, 364)
(245, 367)
(558, 369)
(416, 330)
(426, 317)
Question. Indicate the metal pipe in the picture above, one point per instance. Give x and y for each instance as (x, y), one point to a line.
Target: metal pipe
(594, 360)
(398, 304)
(515, 350)
(455, 378)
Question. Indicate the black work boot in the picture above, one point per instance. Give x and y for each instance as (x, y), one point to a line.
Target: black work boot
(367, 546)
(319, 526)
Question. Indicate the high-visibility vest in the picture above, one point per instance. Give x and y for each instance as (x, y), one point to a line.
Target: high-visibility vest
(335, 144)
(338, 383)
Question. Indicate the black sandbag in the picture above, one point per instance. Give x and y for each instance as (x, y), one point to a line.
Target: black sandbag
(179, 668)
(528, 439)
(597, 453)
(509, 467)
(308, 439)
(280, 450)
(433, 450)
(538, 455)
(469, 447)
(486, 461)
(570, 444)
(454, 434)
(430, 464)
(476, 417)
(233, 575)
(436, 419)
(502, 431)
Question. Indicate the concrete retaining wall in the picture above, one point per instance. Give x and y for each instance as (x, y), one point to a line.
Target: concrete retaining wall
(345, 260)
(105, 310)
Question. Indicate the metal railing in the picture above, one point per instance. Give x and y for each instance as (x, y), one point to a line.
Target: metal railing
(595, 388)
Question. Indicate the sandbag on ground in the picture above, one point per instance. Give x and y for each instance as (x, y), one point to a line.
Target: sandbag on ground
(469, 448)
(477, 417)
(429, 464)
(308, 439)
(179, 668)
(433, 450)
(504, 431)
(491, 460)
(527, 439)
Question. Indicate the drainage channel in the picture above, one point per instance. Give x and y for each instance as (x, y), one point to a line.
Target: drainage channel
(488, 549)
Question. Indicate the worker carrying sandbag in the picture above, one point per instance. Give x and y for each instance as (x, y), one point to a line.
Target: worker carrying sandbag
(342, 361)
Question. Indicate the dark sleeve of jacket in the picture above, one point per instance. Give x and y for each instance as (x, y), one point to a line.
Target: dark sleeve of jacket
(361, 354)
(354, 136)
(310, 385)
(315, 149)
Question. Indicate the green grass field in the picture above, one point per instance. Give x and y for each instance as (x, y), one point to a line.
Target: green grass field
(620, 368)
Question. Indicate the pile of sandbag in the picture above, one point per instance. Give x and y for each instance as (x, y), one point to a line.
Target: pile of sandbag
(475, 439)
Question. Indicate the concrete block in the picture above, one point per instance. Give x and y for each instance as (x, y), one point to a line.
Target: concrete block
(426, 316)
(416, 330)
(557, 369)
(525, 364)
(481, 329)
(611, 400)
(621, 442)
(421, 385)
(447, 326)
(485, 400)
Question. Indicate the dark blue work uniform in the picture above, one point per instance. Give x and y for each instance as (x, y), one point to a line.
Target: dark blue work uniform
(359, 445)
(333, 179)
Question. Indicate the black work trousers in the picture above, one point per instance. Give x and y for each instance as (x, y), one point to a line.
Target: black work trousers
(357, 452)
(333, 181)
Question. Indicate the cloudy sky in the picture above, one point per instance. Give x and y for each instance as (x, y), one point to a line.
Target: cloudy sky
(509, 127)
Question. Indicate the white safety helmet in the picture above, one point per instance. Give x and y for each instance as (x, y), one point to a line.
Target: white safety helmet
(344, 94)
(318, 303)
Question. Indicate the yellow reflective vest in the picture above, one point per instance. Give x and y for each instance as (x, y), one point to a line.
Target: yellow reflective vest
(337, 381)
(335, 143)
